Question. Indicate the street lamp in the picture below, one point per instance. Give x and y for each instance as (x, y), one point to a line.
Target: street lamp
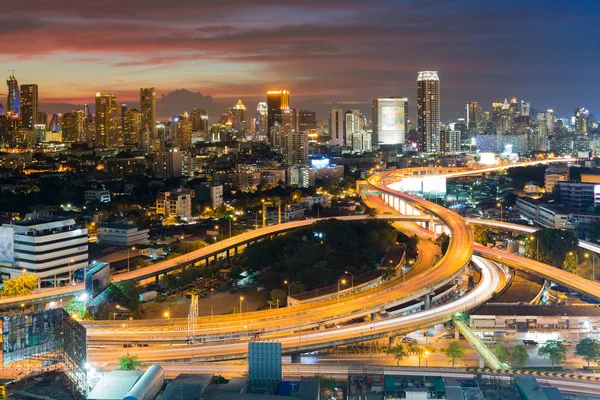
(586, 255)
(289, 288)
(167, 315)
(351, 280)
(212, 315)
(532, 238)
(241, 299)
(500, 205)
(132, 249)
(232, 218)
(343, 282)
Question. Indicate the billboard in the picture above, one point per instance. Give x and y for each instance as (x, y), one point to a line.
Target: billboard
(392, 118)
(97, 278)
(434, 184)
(264, 361)
(7, 246)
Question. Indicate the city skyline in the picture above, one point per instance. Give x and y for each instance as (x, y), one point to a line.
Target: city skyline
(482, 53)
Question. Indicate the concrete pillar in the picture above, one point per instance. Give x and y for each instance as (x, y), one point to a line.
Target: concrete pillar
(427, 301)
(456, 334)
(55, 283)
(373, 316)
(278, 212)
(393, 341)
(296, 358)
(264, 215)
(431, 225)
(481, 362)
(235, 251)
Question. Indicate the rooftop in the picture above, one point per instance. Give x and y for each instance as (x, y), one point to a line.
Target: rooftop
(540, 311)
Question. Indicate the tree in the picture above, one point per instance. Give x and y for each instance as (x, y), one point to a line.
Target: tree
(278, 296)
(21, 285)
(411, 247)
(398, 352)
(128, 362)
(554, 245)
(588, 349)
(443, 241)
(554, 350)
(519, 355)
(126, 294)
(454, 352)
(501, 353)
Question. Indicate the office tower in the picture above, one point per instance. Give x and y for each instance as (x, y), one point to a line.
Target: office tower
(473, 115)
(541, 130)
(132, 126)
(29, 105)
(148, 110)
(336, 126)
(295, 119)
(123, 111)
(42, 118)
(550, 121)
(184, 132)
(240, 118)
(389, 120)
(262, 118)
(277, 101)
(307, 120)
(287, 140)
(199, 120)
(581, 125)
(108, 121)
(14, 96)
(525, 108)
(73, 126)
(428, 111)
(352, 125)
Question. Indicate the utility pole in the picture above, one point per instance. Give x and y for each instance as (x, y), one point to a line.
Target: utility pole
(192, 316)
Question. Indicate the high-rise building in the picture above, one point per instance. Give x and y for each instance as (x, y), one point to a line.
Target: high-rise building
(73, 126)
(473, 118)
(199, 120)
(352, 125)
(525, 108)
(307, 120)
(240, 118)
(184, 132)
(262, 118)
(428, 111)
(132, 121)
(277, 101)
(148, 110)
(550, 122)
(389, 120)
(336, 126)
(108, 120)
(13, 101)
(581, 125)
(42, 118)
(29, 105)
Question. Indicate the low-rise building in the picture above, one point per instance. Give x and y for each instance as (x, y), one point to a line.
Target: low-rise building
(122, 234)
(176, 203)
(51, 248)
(102, 196)
(310, 201)
(554, 174)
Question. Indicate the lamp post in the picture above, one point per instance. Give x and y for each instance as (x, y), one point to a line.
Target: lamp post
(351, 280)
(500, 205)
(212, 314)
(289, 287)
(241, 299)
(218, 230)
(532, 238)
(167, 315)
(586, 255)
(231, 219)
(133, 248)
(343, 282)
(576, 261)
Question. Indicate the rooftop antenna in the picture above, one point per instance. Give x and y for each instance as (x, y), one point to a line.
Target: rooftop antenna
(12, 71)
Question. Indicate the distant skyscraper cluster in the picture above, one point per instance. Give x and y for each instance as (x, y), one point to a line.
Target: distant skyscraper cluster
(509, 126)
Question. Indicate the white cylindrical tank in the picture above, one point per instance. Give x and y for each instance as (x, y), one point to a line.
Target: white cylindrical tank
(148, 386)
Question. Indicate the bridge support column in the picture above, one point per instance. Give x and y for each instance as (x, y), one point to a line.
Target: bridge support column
(481, 362)
(393, 341)
(427, 301)
(296, 358)
(431, 225)
(373, 316)
(456, 334)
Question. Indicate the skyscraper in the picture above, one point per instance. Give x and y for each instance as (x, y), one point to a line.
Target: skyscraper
(14, 96)
(473, 115)
(277, 101)
(148, 110)
(73, 126)
(29, 105)
(184, 132)
(307, 120)
(262, 118)
(550, 122)
(108, 120)
(389, 120)
(428, 111)
(132, 126)
(352, 125)
(200, 123)
(336, 126)
(240, 118)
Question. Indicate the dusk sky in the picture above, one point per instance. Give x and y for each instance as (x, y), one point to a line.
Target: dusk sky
(324, 51)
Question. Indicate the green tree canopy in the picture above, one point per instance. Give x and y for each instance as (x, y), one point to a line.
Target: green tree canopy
(398, 352)
(588, 349)
(501, 353)
(554, 350)
(128, 362)
(519, 355)
(554, 245)
(454, 352)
